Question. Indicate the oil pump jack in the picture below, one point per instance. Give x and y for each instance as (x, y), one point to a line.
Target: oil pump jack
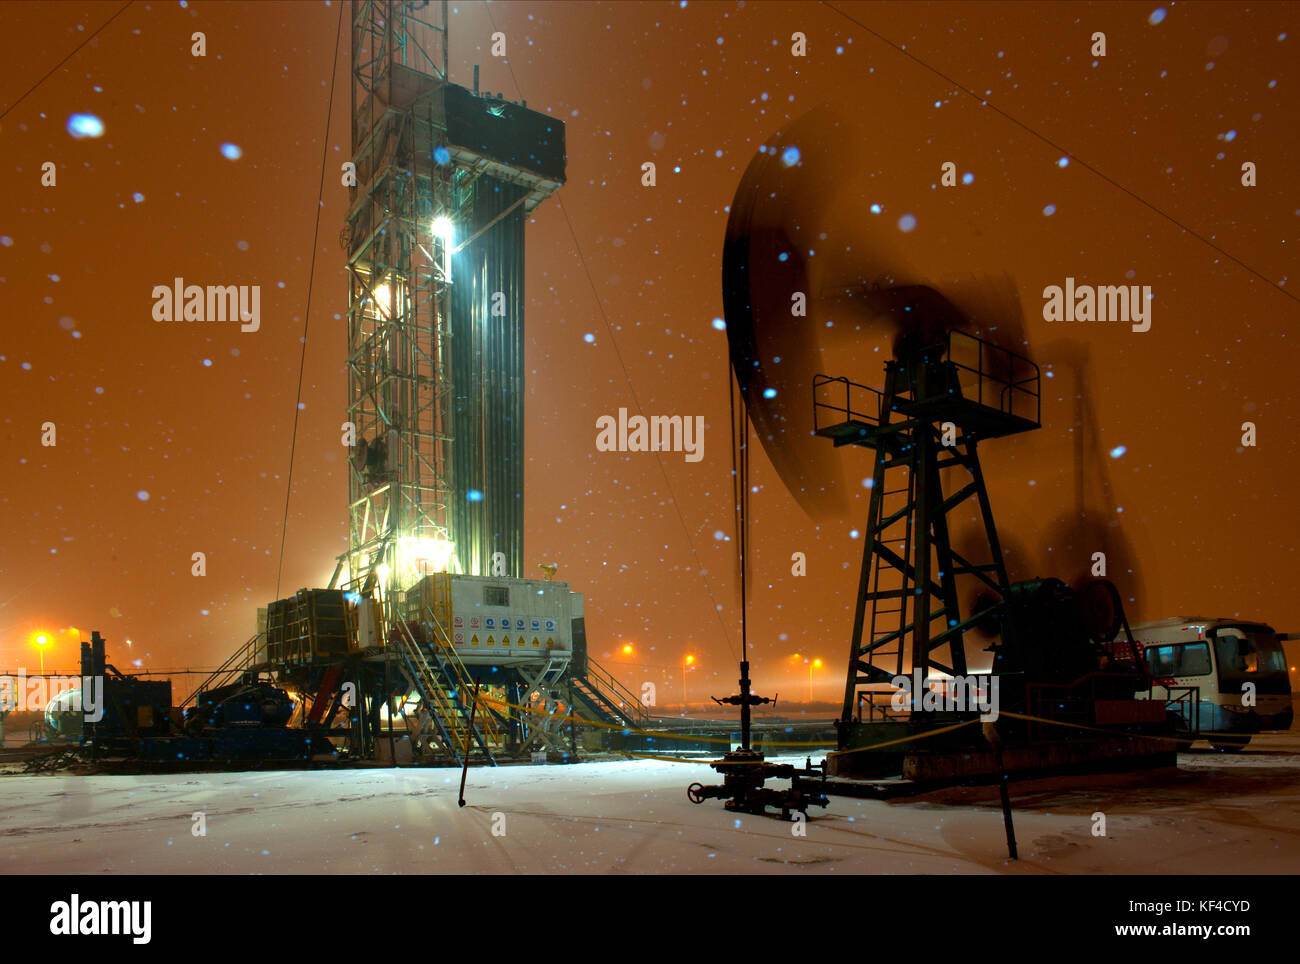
(806, 270)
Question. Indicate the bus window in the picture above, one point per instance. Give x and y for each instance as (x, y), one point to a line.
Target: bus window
(1186, 659)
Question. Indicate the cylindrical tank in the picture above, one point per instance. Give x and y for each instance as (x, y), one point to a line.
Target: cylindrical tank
(64, 716)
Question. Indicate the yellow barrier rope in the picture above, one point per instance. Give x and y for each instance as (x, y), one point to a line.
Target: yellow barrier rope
(912, 738)
(663, 734)
(875, 746)
(1097, 729)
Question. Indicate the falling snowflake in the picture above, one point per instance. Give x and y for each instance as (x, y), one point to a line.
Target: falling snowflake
(85, 125)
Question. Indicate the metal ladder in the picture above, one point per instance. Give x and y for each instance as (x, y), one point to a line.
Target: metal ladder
(889, 624)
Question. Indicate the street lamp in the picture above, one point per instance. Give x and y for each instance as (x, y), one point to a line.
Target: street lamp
(812, 664)
(687, 665)
(41, 642)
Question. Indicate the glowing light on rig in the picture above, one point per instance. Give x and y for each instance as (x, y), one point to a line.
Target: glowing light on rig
(382, 294)
(444, 229)
(428, 555)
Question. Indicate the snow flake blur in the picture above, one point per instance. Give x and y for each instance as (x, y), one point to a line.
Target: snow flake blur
(81, 126)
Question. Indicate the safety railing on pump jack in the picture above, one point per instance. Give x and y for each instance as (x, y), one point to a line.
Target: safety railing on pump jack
(604, 683)
(1187, 706)
(1126, 651)
(1005, 373)
(1058, 702)
(875, 711)
(861, 402)
(237, 662)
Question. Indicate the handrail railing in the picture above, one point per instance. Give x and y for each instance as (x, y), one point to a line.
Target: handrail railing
(237, 662)
(1039, 695)
(846, 412)
(615, 692)
(458, 737)
(1006, 373)
(1192, 698)
(447, 655)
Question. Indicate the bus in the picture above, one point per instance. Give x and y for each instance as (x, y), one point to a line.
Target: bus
(1219, 657)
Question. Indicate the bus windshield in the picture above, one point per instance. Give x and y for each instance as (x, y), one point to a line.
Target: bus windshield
(1248, 654)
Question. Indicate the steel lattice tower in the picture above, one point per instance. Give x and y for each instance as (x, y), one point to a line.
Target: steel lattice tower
(399, 301)
(908, 612)
(445, 180)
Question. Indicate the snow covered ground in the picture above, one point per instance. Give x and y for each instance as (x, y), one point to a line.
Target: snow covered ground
(1217, 814)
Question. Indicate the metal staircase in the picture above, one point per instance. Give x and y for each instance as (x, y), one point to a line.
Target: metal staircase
(606, 699)
(241, 659)
(443, 683)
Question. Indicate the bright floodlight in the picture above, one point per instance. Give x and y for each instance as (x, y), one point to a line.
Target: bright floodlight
(382, 293)
(443, 228)
(431, 554)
